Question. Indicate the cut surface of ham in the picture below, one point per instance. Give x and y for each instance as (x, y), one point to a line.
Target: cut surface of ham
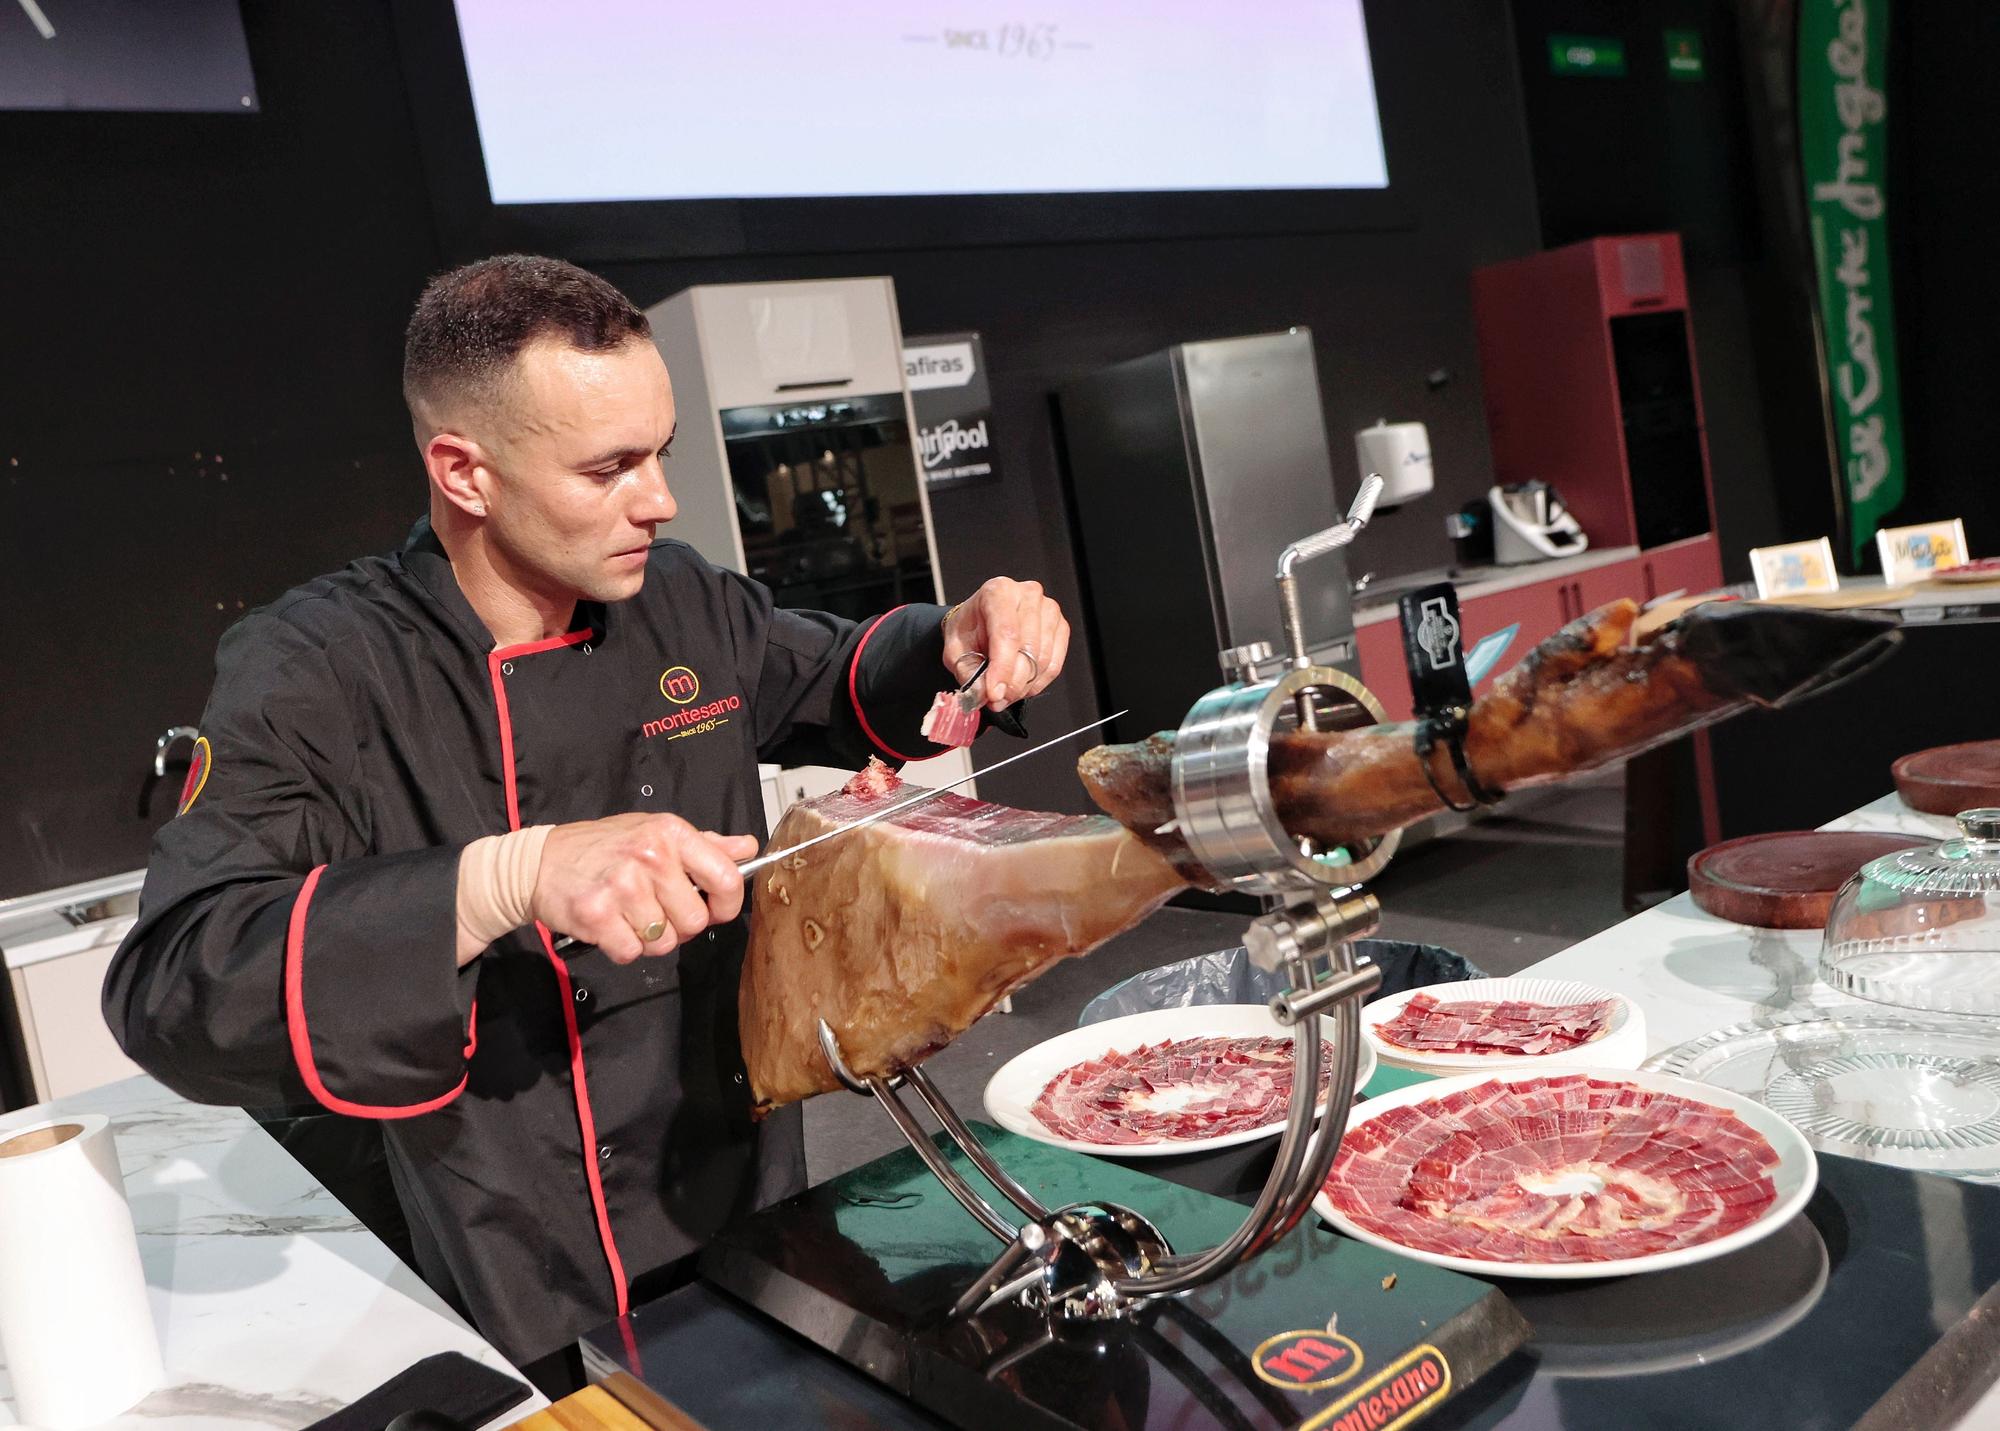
(949, 721)
(1178, 1089)
(901, 934)
(1572, 1169)
(1483, 1026)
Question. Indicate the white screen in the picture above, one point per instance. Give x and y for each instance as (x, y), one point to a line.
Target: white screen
(703, 99)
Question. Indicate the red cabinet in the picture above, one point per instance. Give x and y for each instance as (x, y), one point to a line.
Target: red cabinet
(1692, 566)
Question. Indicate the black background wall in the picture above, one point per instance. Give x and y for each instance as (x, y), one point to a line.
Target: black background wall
(200, 322)
(202, 331)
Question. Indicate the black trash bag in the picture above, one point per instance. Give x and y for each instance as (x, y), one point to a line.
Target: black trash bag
(1228, 977)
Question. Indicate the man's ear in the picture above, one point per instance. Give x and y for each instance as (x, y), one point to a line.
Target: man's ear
(456, 465)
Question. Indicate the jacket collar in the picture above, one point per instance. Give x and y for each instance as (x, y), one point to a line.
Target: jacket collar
(424, 557)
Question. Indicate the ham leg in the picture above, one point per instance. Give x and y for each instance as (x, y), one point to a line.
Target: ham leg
(902, 934)
(1599, 690)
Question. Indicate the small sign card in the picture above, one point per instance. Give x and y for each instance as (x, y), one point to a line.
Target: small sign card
(1794, 567)
(1916, 553)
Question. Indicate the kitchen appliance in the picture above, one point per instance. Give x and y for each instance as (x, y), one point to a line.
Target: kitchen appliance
(1586, 359)
(1530, 523)
(1187, 469)
(1400, 452)
(795, 461)
(1471, 531)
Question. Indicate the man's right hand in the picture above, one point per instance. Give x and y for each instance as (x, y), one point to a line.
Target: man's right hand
(604, 881)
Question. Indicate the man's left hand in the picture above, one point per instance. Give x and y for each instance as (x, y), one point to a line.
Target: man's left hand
(1020, 631)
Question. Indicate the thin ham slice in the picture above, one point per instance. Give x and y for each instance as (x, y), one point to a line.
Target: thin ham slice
(1176, 1090)
(1513, 1026)
(1571, 1169)
(949, 721)
(901, 934)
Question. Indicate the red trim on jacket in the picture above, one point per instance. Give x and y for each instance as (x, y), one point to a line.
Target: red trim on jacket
(579, 1085)
(854, 693)
(585, 1122)
(493, 660)
(295, 1024)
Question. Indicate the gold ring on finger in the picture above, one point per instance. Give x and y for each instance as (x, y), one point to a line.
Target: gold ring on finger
(652, 931)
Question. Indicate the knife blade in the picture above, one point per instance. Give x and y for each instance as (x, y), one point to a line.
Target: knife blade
(751, 866)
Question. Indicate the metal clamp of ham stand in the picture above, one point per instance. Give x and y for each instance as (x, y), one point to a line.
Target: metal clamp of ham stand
(1093, 1262)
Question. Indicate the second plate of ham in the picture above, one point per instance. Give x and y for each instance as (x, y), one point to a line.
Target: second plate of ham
(1156, 1084)
(1505, 1023)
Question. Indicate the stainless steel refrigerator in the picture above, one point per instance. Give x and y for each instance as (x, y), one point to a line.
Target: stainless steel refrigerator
(1189, 471)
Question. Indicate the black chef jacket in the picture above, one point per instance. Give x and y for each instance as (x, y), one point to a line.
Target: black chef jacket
(555, 1127)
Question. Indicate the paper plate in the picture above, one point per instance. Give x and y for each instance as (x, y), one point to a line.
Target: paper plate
(1795, 1177)
(1621, 1045)
(1012, 1091)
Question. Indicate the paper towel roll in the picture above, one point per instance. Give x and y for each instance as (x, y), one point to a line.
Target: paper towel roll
(1401, 452)
(75, 1330)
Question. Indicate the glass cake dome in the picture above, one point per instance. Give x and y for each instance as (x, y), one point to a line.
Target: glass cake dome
(1921, 927)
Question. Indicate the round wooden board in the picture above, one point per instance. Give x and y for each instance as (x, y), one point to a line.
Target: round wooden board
(1947, 779)
(1785, 880)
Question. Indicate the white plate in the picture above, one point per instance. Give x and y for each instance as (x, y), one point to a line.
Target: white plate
(1012, 1091)
(1621, 1045)
(1794, 1178)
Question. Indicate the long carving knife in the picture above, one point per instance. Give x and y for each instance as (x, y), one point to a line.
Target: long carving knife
(770, 857)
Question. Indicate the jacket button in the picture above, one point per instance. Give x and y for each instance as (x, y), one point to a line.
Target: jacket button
(603, 1152)
(646, 790)
(586, 648)
(582, 995)
(739, 1078)
(506, 668)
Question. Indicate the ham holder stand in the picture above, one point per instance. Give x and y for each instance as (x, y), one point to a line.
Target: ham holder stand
(1089, 1314)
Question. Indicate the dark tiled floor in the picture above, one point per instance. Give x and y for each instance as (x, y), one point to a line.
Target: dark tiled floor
(1506, 892)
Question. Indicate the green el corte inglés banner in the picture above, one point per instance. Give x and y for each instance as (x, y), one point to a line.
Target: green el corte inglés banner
(1842, 63)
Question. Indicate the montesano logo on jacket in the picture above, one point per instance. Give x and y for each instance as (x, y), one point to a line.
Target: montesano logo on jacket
(682, 686)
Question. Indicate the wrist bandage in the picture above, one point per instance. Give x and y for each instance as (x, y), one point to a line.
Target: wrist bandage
(496, 882)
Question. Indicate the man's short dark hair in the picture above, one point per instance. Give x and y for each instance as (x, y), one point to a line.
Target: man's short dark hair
(471, 323)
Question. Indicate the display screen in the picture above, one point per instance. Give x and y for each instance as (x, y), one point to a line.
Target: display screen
(633, 99)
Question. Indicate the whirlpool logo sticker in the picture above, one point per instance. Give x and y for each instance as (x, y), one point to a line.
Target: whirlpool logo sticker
(682, 686)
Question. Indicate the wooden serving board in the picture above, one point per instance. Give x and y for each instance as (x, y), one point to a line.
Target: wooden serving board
(1947, 779)
(1785, 880)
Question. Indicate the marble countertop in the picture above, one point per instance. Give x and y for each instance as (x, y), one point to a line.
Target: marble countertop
(274, 1305)
(1693, 973)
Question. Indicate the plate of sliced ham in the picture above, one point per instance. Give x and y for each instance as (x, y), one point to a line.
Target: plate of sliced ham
(1505, 1023)
(1566, 1174)
(1159, 1083)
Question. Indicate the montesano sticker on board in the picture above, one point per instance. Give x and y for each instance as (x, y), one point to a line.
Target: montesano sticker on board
(946, 374)
(1843, 150)
(1400, 1394)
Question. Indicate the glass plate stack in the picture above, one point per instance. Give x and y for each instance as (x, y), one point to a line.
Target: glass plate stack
(1913, 1090)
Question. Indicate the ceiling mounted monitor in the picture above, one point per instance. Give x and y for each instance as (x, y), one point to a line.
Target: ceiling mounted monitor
(805, 99)
(635, 129)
